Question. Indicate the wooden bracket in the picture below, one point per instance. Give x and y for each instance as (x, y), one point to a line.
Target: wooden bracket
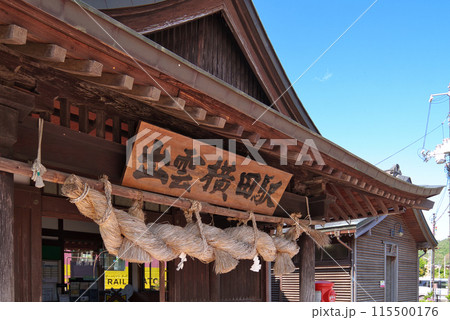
(13, 34)
(42, 51)
(88, 68)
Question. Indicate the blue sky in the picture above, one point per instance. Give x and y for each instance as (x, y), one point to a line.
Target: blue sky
(369, 93)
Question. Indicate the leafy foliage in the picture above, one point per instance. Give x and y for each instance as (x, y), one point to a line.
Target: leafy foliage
(440, 253)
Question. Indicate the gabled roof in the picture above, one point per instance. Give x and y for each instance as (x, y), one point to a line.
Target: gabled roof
(414, 220)
(248, 31)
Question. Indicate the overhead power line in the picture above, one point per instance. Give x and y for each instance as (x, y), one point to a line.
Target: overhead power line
(409, 145)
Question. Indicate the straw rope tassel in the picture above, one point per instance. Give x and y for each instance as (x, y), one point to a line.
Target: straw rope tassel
(256, 263)
(38, 168)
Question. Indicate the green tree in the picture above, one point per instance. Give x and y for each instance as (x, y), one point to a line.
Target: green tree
(422, 266)
(441, 252)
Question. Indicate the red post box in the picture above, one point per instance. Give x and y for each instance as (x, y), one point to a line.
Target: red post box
(326, 290)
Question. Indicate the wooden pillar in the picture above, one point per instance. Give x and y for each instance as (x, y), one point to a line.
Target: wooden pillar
(100, 119)
(162, 281)
(6, 236)
(9, 120)
(267, 282)
(214, 284)
(306, 268)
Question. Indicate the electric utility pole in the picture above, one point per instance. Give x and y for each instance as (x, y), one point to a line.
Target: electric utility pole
(432, 258)
(442, 155)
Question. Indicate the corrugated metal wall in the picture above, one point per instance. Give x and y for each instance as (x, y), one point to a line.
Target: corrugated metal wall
(370, 262)
(209, 44)
(341, 277)
(286, 287)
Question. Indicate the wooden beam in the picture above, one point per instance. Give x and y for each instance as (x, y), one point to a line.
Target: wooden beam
(253, 137)
(268, 146)
(60, 208)
(6, 237)
(59, 177)
(87, 68)
(171, 103)
(100, 122)
(328, 170)
(318, 167)
(368, 204)
(343, 201)
(333, 214)
(346, 177)
(423, 204)
(13, 34)
(131, 128)
(9, 121)
(340, 212)
(42, 51)
(143, 92)
(64, 114)
(83, 120)
(117, 129)
(214, 121)
(356, 202)
(197, 113)
(19, 100)
(113, 80)
(230, 129)
(337, 174)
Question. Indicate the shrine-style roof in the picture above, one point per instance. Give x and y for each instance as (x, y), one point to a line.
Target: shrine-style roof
(359, 188)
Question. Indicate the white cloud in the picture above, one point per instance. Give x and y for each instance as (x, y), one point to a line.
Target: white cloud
(325, 77)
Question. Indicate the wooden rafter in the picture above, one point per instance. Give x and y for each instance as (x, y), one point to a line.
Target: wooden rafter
(339, 211)
(382, 206)
(368, 204)
(332, 213)
(355, 202)
(341, 198)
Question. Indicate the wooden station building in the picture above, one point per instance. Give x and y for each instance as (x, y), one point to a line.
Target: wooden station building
(203, 69)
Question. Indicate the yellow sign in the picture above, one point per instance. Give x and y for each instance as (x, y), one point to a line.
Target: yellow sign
(116, 279)
(151, 279)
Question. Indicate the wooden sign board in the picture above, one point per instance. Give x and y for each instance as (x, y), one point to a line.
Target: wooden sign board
(168, 163)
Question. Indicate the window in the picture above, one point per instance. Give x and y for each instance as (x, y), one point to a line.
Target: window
(332, 252)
